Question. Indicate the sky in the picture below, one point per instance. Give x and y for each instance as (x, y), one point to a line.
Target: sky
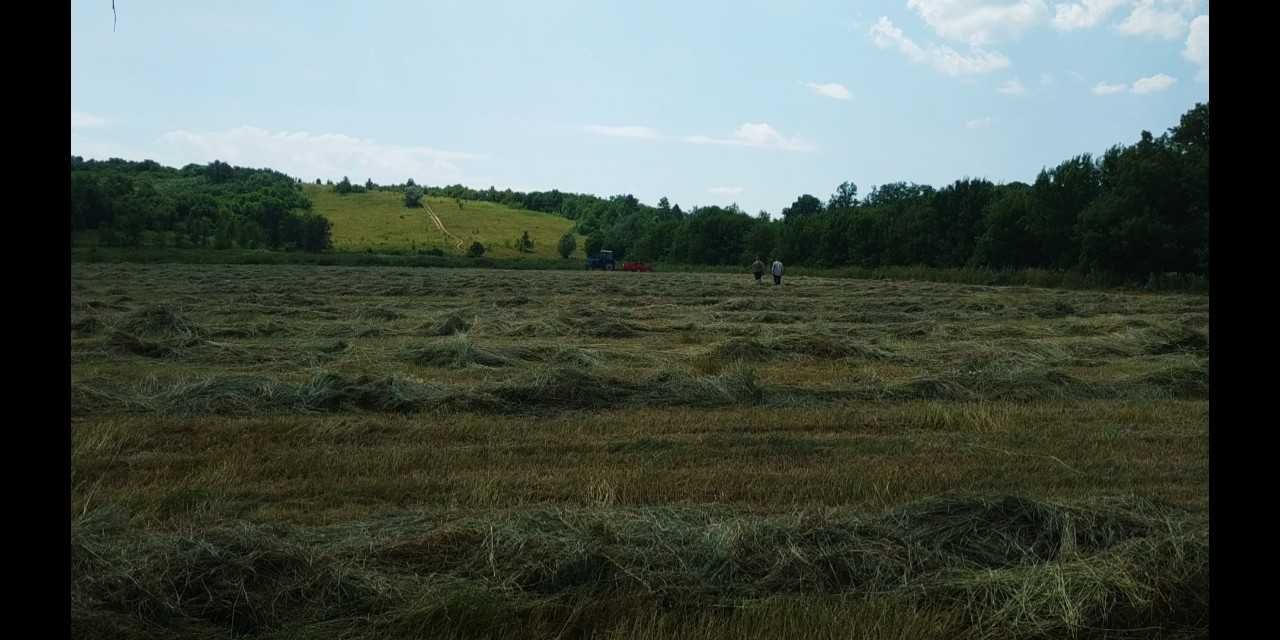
(713, 102)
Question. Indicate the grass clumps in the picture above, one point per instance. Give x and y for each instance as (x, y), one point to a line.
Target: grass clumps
(129, 343)
(379, 313)
(1189, 380)
(447, 326)
(1179, 340)
(741, 348)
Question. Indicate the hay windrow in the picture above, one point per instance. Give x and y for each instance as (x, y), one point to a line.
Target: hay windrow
(1135, 568)
(546, 387)
(790, 345)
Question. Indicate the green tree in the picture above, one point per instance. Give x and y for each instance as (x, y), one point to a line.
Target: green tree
(763, 239)
(224, 233)
(568, 243)
(959, 209)
(219, 172)
(1059, 197)
(131, 225)
(413, 196)
(476, 250)
(845, 197)
(805, 205)
(317, 233)
(1193, 128)
(1006, 242)
(664, 207)
(249, 235)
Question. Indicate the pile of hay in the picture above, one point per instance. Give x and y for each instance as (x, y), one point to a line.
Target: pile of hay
(156, 331)
(458, 351)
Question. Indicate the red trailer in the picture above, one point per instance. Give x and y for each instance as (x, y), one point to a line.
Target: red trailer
(637, 266)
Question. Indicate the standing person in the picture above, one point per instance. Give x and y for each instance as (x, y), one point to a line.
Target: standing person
(777, 272)
(757, 269)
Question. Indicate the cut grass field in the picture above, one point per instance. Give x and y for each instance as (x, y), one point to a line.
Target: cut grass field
(379, 221)
(305, 451)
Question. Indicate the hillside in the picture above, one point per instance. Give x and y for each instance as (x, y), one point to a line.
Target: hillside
(379, 221)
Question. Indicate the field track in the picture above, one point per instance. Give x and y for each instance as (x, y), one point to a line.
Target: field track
(440, 225)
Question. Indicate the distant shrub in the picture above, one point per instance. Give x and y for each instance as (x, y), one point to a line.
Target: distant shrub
(413, 196)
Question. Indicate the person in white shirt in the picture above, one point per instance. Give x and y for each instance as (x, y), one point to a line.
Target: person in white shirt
(777, 272)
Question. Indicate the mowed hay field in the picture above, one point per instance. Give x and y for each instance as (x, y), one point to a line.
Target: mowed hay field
(379, 221)
(318, 452)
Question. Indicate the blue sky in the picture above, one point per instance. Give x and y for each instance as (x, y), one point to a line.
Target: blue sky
(746, 101)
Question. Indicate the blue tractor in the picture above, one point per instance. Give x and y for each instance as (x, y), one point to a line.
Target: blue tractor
(602, 260)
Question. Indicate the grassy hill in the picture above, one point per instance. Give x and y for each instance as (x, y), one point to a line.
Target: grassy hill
(380, 221)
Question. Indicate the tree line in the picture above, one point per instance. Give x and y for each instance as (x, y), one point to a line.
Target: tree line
(1138, 209)
(132, 204)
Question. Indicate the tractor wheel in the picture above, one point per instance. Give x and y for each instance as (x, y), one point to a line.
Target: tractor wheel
(610, 267)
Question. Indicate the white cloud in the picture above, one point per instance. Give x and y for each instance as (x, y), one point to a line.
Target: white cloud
(1147, 20)
(830, 90)
(980, 123)
(1153, 84)
(629, 131)
(725, 191)
(1141, 86)
(1083, 15)
(1104, 89)
(81, 120)
(976, 22)
(943, 59)
(1012, 88)
(1046, 79)
(307, 155)
(756, 135)
(1197, 49)
(885, 36)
